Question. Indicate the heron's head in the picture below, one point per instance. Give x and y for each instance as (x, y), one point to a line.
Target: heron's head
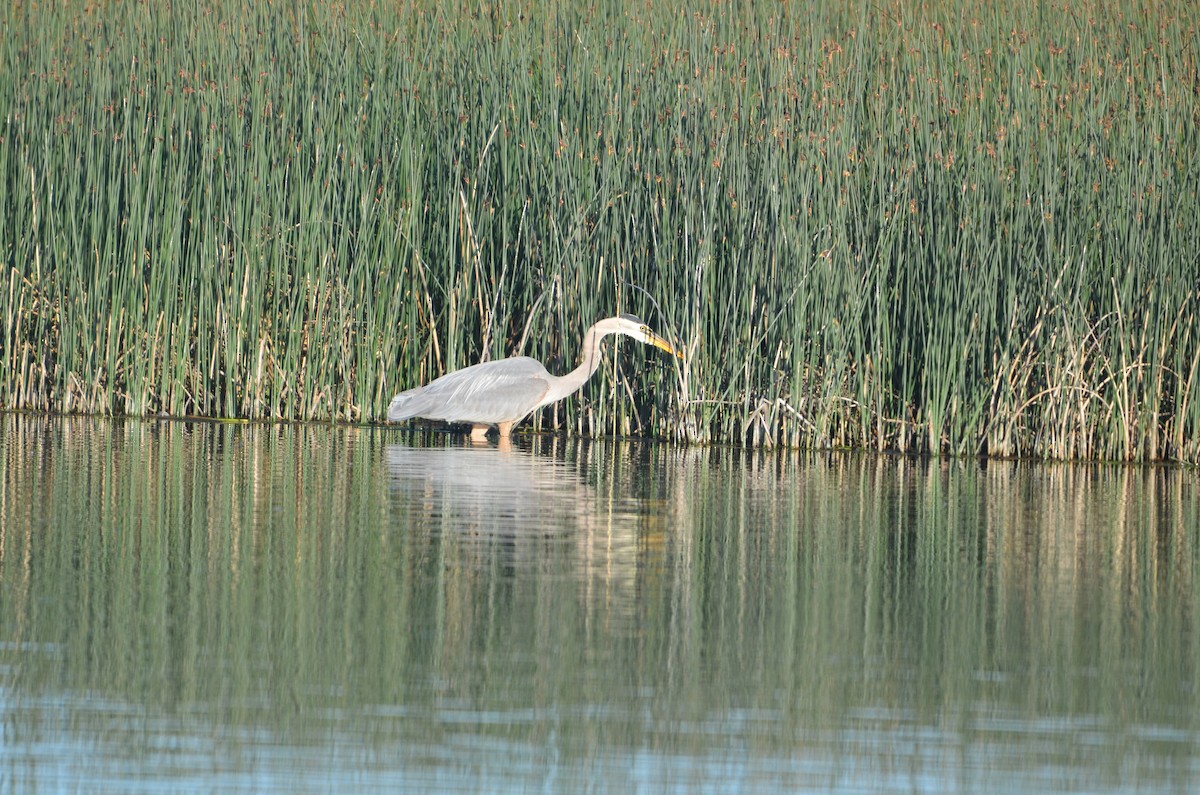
(634, 326)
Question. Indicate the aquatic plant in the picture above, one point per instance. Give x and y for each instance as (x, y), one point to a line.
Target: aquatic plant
(956, 227)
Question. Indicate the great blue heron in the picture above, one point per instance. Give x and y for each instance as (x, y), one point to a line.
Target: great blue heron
(504, 392)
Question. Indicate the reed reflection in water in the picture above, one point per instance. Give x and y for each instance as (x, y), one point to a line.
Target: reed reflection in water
(201, 606)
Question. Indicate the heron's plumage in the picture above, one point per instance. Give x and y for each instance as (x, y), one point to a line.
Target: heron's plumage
(505, 391)
(491, 392)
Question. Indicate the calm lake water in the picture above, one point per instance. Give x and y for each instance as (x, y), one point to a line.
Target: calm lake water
(208, 607)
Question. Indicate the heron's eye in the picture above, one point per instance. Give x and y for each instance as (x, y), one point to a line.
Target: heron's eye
(645, 330)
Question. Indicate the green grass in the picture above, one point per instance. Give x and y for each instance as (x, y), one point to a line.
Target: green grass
(952, 227)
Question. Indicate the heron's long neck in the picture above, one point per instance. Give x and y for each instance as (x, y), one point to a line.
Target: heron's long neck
(570, 383)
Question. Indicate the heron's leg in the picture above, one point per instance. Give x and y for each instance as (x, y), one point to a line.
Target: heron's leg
(479, 432)
(505, 430)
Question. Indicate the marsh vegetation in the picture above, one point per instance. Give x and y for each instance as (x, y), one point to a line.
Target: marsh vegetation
(952, 227)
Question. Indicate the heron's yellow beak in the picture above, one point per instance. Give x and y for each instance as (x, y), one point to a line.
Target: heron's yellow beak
(659, 342)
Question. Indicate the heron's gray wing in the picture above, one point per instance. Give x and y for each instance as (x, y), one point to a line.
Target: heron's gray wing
(501, 391)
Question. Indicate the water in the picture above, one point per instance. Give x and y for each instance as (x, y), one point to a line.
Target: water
(207, 607)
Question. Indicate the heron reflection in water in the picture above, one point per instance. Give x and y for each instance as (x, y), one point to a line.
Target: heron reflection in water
(504, 392)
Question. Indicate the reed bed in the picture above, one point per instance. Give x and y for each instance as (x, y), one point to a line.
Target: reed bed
(954, 227)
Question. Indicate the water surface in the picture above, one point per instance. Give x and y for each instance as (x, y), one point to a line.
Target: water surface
(212, 607)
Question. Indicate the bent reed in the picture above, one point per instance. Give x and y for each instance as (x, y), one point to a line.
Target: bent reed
(950, 227)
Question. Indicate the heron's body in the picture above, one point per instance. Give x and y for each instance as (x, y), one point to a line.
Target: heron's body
(504, 392)
(491, 393)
